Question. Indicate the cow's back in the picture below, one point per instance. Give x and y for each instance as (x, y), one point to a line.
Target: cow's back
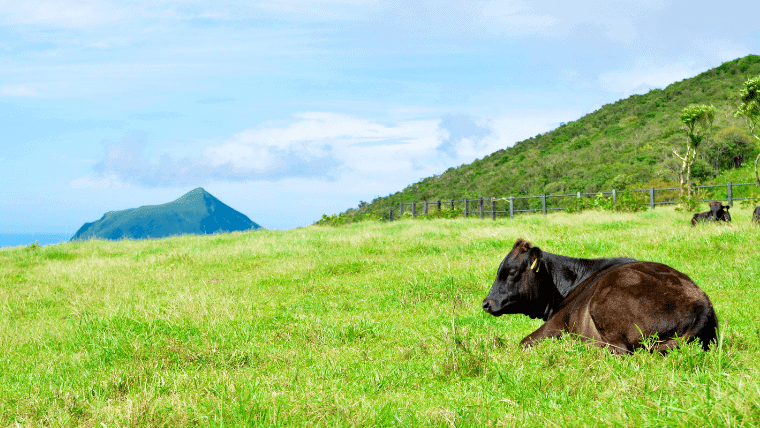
(700, 217)
(623, 303)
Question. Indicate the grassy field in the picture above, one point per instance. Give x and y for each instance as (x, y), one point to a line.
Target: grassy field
(372, 324)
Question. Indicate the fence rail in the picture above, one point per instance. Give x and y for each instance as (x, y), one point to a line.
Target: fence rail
(545, 203)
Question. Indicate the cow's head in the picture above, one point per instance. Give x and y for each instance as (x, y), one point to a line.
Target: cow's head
(719, 212)
(517, 288)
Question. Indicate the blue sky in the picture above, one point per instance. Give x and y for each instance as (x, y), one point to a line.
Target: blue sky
(287, 110)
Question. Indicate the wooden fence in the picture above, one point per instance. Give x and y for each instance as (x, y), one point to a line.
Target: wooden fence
(544, 203)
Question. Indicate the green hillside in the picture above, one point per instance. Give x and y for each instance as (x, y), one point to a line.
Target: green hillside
(626, 144)
(195, 213)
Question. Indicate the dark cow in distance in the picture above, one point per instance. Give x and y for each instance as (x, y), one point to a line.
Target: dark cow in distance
(756, 215)
(614, 302)
(718, 212)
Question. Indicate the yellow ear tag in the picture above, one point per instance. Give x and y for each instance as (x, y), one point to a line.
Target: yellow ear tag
(534, 264)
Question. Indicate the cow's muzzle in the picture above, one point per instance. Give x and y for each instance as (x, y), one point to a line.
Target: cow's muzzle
(488, 305)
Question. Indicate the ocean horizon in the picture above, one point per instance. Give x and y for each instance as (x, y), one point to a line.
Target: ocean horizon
(19, 239)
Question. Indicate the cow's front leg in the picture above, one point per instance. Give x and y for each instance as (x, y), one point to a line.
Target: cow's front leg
(547, 330)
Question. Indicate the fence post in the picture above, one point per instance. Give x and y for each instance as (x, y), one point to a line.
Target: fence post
(400, 209)
(651, 197)
(439, 205)
(390, 215)
(511, 207)
(493, 209)
(466, 207)
(543, 203)
(481, 209)
(414, 209)
(452, 205)
(730, 194)
(426, 207)
(614, 199)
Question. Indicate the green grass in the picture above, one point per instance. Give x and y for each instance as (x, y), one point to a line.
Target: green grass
(372, 324)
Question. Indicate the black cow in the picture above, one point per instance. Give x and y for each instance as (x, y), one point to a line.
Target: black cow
(718, 212)
(756, 215)
(611, 302)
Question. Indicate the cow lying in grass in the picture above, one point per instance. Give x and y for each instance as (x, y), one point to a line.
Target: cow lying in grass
(718, 212)
(756, 215)
(615, 302)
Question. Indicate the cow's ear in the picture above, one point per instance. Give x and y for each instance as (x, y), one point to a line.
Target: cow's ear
(521, 243)
(535, 256)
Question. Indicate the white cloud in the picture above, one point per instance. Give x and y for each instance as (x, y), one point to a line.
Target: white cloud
(245, 158)
(328, 148)
(317, 145)
(99, 182)
(18, 91)
(62, 14)
(350, 142)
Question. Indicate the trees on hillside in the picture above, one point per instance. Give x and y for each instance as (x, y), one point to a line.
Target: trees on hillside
(696, 120)
(622, 144)
(729, 148)
(749, 107)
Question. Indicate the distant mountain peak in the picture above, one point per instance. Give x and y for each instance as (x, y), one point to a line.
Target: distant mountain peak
(197, 191)
(198, 194)
(196, 212)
